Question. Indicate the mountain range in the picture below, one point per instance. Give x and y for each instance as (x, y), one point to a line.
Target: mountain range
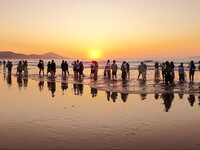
(12, 55)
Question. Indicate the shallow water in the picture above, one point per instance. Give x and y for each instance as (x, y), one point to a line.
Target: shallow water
(50, 113)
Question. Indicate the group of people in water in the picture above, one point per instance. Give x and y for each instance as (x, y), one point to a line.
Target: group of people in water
(110, 70)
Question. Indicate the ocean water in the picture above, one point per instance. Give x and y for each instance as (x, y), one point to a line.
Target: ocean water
(133, 62)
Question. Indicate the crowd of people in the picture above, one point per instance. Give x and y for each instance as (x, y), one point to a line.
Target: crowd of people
(110, 70)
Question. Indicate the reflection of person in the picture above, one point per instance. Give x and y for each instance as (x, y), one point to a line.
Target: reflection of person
(19, 80)
(9, 79)
(41, 85)
(53, 88)
(143, 96)
(124, 97)
(64, 86)
(180, 95)
(114, 96)
(25, 82)
(94, 92)
(108, 95)
(156, 96)
(168, 98)
(191, 99)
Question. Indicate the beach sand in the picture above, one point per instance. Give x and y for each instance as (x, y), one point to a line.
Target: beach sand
(54, 114)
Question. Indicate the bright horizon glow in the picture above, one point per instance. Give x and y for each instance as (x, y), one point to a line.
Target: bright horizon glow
(116, 28)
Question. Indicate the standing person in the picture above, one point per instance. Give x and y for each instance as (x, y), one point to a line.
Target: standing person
(144, 71)
(49, 68)
(81, 68)
(9, 65)
(67, 68)
(41, 66)
(163, 71)
(77, 68)
(128, 70)
(172, 67)
(114, 68)
(108, 69)
(92, 67)
(53, 68)
(19, 68)
(96, 67)
(192, 71)
(63, 68)
(181, 72)
(25, 66)
(140, 69)
(123, 69)
(199, 66)
(168, 73)
(157, 71)
(74, 64)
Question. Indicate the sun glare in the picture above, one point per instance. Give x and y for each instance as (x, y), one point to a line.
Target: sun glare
(95, 54)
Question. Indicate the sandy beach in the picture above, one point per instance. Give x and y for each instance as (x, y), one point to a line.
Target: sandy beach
(55, 114)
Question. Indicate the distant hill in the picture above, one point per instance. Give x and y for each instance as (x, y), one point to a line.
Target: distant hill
(12, 55)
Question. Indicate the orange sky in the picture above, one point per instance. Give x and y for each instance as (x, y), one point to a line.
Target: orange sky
(112, 28)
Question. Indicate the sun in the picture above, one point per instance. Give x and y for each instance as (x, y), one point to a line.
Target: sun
(95, 54)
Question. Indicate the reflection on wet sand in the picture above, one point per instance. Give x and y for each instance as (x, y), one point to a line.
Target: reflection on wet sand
(9, 79)
(78, 89)
(191, 99)
(94, 92)
(52, 87)
(167, 98)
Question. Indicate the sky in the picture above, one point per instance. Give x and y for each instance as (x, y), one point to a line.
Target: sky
(101, 28)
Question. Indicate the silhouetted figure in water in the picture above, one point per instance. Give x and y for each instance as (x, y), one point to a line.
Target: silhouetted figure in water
(168, 74)
(124, 97)
(114, 68)
(19, 68)
(181, 72)
(192, 68)
(48, 68)
(114, 96)
(94, 92)
(168, 98)
(41, 67)
(64, 67)
(25, 67)
(199, 100)
(53, 68)
(163, 71)
(9, 65)
(172, 68)
(191, 99)
(123, 69)
(81, 68)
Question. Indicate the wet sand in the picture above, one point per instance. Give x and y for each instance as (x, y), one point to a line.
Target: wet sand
(51, 114)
